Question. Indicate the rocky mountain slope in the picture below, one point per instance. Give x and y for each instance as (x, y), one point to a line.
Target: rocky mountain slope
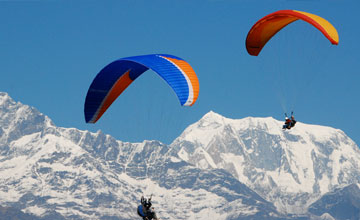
(342, 203)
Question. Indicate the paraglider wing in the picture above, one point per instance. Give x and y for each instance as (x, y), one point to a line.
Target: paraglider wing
(112, 80)
(268, 26)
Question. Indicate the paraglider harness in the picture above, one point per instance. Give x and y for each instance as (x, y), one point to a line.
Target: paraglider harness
(144, 210)
(289, 123)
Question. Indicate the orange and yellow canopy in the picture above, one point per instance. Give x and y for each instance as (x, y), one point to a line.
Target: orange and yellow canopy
(268, 26)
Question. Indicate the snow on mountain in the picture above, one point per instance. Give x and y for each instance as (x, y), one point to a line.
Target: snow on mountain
(11, 213)
(341, 204)
(291, 168)
(65, 173)
(219, 168)
(18, 120)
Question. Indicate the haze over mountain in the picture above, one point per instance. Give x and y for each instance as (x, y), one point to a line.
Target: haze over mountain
(219, 168)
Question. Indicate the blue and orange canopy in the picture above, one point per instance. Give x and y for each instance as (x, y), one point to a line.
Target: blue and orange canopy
(268, 26)
(113, 79)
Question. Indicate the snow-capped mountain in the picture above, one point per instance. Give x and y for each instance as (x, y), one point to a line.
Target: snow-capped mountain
(65, 173)
(219, 168)
(291, 168)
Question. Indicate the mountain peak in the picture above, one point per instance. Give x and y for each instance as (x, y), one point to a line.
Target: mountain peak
(5, 99)
(17, 119)
(211, 115)
(3, 94)
(214, 123)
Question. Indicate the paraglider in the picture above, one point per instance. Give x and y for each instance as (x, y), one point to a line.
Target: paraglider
(113, 79)
(267, 27)
(264, 29)
(145, 210)
(289, 122)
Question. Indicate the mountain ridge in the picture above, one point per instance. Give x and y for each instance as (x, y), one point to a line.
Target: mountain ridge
(219, 167)
(76, 174)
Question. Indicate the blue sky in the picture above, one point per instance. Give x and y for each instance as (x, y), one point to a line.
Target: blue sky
(51, 51)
